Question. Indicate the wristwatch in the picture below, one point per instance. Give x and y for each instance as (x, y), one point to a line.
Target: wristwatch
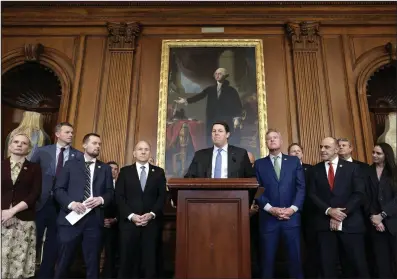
(383, 215)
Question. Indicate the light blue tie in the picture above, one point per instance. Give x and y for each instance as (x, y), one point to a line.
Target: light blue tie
(218, 165)
(143, 178)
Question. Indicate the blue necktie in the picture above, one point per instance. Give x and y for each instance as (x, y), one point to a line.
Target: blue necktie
(218, 165)
(143, 178)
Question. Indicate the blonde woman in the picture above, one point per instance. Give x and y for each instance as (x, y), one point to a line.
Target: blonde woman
(32, 126)
(20, 189)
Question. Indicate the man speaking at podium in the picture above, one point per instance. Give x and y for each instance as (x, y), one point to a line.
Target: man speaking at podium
(222, 160)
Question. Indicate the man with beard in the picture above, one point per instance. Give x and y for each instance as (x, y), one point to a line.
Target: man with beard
(84, 184)
(223, 104)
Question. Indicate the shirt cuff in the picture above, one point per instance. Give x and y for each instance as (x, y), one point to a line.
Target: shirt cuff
(294, 208)
(326, 212)
(267, 207)
(130, 216)
(154, 215)
(103, 201)
(70, 205)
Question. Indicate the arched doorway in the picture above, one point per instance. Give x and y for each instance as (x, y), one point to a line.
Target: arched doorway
(382, 97)
(30, 86)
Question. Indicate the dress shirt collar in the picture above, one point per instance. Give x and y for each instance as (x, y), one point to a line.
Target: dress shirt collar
(66, 146)
(280, 155)
(139, 165)
(350, 159)
(13, 163)
(224, 148)
(92, 160)
(334, 162)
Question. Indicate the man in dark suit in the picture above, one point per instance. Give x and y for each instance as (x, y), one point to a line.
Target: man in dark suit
(280, 204)
(51, 159)
(84, 186)
(222, 160)
(110, 231)
(223, 103)
(311, 262)
(140, 195)
(345, 153)
(337, 190)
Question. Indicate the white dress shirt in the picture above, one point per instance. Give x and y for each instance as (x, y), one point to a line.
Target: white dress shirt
(334, 163)
(218, 88)
(139, 170)
(268, 206)
(92, 169)
(224, 161)
(114, 183)
(350, 159)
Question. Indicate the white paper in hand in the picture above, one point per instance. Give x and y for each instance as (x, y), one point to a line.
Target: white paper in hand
(73, 217)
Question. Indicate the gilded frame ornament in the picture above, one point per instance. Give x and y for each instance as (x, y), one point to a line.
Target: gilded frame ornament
(164, 78)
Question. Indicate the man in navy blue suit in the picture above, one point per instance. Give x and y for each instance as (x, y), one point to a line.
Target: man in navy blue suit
(51, 159)
(83, 184)
(282, 177)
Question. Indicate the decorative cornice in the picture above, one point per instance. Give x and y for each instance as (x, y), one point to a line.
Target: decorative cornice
(304, 35)
(123, 35)
(32, 52)
(27, 4)
(202, 14)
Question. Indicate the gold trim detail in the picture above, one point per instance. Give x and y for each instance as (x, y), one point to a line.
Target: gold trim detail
(163, 94)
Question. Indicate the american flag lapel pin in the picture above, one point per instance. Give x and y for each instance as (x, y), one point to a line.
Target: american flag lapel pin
(25, 168)
(99, 167)
(285, 159)
(152, 170)
(72, 154)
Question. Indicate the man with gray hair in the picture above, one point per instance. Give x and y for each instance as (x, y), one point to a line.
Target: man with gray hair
(223, 104)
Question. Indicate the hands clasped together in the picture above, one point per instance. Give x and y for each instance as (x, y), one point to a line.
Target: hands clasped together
(377, 222)
(281, 213)
(142, 220)
(80, 208)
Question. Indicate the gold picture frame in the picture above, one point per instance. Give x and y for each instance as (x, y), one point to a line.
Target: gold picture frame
(163, 109)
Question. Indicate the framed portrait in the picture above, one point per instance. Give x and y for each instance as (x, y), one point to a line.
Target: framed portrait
(203, 81)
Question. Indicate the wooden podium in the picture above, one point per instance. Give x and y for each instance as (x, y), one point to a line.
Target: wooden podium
(213, 232)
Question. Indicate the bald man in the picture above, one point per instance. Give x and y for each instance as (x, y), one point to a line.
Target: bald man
(337, 191)
(140, 196)
(223, 104)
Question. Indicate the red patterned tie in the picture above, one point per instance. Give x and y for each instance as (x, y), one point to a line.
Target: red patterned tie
(331, 176)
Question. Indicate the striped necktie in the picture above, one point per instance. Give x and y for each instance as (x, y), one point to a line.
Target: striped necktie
(87, 186)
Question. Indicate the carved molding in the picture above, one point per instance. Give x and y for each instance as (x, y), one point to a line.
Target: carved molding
(32, 52)
(304, 35)
(123, 35)
(392, 51)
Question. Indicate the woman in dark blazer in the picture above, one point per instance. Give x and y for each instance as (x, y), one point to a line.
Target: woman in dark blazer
(383, 209)
(20, 190)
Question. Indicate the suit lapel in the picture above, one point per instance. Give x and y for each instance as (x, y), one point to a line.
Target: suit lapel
(135, 176)
(53, 153)
(231, 157)
(269, 163)
(149, 176)
(323, 175)
(210, 152)
(339, 173)
(6, 171)
(97, 172)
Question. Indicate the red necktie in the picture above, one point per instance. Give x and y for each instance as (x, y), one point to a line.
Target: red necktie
(331, 176)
